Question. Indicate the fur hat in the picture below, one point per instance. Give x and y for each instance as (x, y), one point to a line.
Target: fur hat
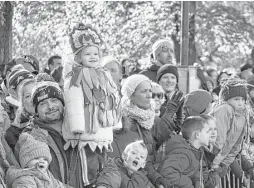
(44, 90)
(131, 83)
(198, 100)
(233, 88)
(167, 69)
(31, 149)
(162, 44)
(83, 36)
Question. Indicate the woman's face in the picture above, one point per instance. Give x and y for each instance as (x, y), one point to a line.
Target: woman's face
(168, 82)
(158, 97)
(142, 95)
(27, 102)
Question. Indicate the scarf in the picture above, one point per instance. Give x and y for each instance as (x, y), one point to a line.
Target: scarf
(144, 117)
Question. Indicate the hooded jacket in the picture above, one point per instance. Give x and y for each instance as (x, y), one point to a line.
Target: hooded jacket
(181, 166)
(151, 72)
(232, 126)
(137, 179)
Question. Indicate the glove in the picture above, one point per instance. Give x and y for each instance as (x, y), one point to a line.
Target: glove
(174, 103)
(57, 74)
(222, 170)
(244, 181)
(172, 106)
(161, 181)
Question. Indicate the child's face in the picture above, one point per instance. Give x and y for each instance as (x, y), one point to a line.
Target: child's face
(237, 102)
(90, 57)
(136, 158)
(204, 136)
(41, 163)
(213, 130)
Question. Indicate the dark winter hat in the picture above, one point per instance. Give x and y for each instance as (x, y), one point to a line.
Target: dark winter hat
(250, 82)
(233, 88)
(198, 101)
(167, 69)
(83, 36)
(44, 90)
(245, 67)
(32, 149)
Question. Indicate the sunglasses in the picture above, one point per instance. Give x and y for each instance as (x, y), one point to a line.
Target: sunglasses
(159, 95)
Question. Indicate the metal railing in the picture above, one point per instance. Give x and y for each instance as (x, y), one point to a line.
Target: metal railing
(230, 181)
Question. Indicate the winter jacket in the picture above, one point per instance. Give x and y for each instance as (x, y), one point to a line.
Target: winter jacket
(31, 178)
(13, 132)
(153, 138)
(231, 126)
(7, 158)
(151, 72)
(66, 164)
(137, 179)
(211, 177)
(181, 166)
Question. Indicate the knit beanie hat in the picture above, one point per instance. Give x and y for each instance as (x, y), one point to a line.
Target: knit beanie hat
(29, 63)
(31, 149)
(167, 69)
(44, 90)
(161, 45)
(233, 87)
(198, 100)
(15, 78)
(17, 75)
(83, 36)
(131, 83)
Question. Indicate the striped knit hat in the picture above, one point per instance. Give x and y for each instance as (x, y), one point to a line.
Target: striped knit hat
(44, 90)
(233, 87)
(31, 149)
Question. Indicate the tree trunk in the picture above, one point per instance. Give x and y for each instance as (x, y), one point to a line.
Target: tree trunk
(6, 14)
(175, 39)
(192, 31)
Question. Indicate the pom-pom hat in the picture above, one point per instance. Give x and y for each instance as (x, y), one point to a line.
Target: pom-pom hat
(83, 36)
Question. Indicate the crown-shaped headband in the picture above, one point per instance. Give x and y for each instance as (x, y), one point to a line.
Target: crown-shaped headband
(83, 36)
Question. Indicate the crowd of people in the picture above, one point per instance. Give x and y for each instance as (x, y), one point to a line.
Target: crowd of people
(93, 123)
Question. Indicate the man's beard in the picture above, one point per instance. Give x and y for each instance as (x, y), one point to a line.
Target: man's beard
(51, 121)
